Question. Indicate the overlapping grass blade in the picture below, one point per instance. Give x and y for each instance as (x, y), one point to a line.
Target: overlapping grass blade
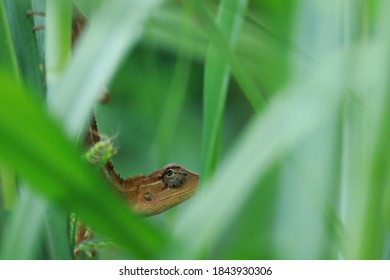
(372, 84)
(29, 215)
(7, 54)
(173, 106)
(45, 150)
(58, 24)
(216, 80)
(298, 111)
(117, 26)
(23, 40)
(39, 146)
(174, 101)
(249, 87)
(8, 61)
(24, 226)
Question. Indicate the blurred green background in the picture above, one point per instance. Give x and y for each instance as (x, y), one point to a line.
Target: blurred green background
(281, 106)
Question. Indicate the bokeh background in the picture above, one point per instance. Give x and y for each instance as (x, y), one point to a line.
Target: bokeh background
(282, 107)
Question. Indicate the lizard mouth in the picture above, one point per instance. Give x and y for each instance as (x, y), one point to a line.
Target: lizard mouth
(179, 194)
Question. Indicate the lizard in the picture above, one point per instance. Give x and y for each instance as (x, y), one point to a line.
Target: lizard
(146, 195)
(150, 194)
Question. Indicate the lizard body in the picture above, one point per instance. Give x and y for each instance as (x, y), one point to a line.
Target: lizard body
(150, 194)
(146, 195)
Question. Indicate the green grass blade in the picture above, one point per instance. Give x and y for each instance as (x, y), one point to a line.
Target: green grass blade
(7, 61)
(366, 152)
(57, 234)
(19, 226)
(8, 185)
(300, 108)
(216, 80)
(24, 41)
(163, 30)
(39, 152)
(250, 89)
(7, 54)
(373, 227)
(29, 216)
(173, 106)
(58, 40)
(39, 6)
(96, 57)
(58, 23)
(57, 56)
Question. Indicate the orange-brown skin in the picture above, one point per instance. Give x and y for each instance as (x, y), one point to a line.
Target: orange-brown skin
(154, 193)
(160, 190)
(147, 195)
(151, 194)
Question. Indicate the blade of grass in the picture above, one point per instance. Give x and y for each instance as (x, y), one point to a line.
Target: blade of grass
(260, 42)
(300, 108)
(83, 81)
(58, 22)
(57, 233)
(18, 226)
(7, 54)
(373, 226)
(216, 80)
(108, 39)
(372, 232)
(8, 185)
(39, 6)
(148, 236)
(8, 61)
(162, 30)
(308, 191)
(365, 152)
(24, 42)
(255, 97)
(39, 152)
(16, 248)
(174, 104)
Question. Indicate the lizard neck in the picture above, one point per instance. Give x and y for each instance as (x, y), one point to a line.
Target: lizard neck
(150, 194)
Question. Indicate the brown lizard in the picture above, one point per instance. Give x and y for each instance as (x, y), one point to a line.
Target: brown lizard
(150, 194)
(147, 195)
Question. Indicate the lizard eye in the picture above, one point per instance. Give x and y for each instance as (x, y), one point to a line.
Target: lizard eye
(148, 196)
(174, 178)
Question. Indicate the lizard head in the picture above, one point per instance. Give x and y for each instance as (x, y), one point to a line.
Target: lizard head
(163, 189)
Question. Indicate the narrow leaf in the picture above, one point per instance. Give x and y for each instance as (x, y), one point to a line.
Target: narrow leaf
(217, 75)
(39, 152)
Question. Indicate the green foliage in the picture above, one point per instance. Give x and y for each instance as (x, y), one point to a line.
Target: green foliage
(290, 133)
